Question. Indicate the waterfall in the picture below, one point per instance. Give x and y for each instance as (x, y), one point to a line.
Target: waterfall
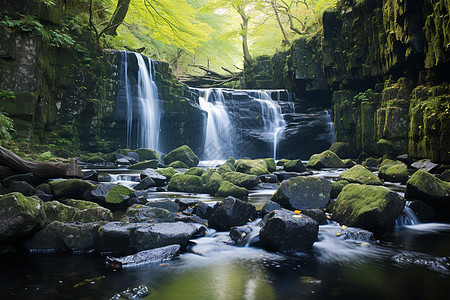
(143, 110)
(219, 129)
(408, 217)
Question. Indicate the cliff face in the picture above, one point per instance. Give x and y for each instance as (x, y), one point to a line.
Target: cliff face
(386, 63)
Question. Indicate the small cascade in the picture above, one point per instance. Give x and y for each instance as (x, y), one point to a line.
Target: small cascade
(408, 217)
(219, 130)
(143, 110)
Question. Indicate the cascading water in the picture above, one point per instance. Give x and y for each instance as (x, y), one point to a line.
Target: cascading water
(143, 109)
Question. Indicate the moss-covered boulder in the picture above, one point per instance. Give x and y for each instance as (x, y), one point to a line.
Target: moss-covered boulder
(240, 179)
(81, 204)
(369, 207)
(148, 154)
(56, 211)
(326, 159)
(303, 193)
(336, 188)
(348, 163)
(183, 154)
(94, 214)
(178, 165)
(426, 187)
(359, 174)
(270, 164)
(226, 168)
(295, 165)
(343, 150)
(253, 167)
(230, 161)
(153, 164)
(226, 189)
(213, 183)
(110, 194)
(185, 183)
(71, 188)
(393, 171)
(195, 171)
(20, 216)
(167, 172)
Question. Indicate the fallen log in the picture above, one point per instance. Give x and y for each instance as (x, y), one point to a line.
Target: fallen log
(12, 163)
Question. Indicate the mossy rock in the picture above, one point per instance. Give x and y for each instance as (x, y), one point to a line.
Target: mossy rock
(230, 161)
(117, 194)
(153, 164)
(195, 171)
(295, 165)
(167, 172)
(81, 204)
(185, 183)
(373, 208)
(253, 167)
(270, 164)
(343, 150)
(225, 168)
(359, 174)
(394, 171)
(56, 211)
(183, 154)
(178, 165)
(148, 154)
(281, 162)
(326, 159)
(371, 163)
(94, 214)
(206, 175)
(240, 179)
(336, 188)
(428, 188)
(228, 189)
(349, 163)
(213, 183)
(93, 159)
(71, 188)
(45, 187)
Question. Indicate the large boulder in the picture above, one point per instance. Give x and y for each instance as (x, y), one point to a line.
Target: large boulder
(183, 154)
(195, 171)
(110, 195)
(294, 166)
(428, 188)
(185, 183)
(148, 154)
(231, 212)
(20, 216)
(393, 171)
(59, 236)
(270, 164)
(71, 188)
(226, 189)
(286, 231)
(213, 183)
(326, 159)
(359, 174)
(303, 193)
(253, 167)
(146, 214)
(373, 208)
(241, 179)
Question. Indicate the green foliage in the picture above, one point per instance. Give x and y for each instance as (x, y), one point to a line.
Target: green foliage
(6, 127)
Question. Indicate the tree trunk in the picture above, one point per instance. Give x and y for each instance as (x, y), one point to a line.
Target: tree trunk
(117, 18)
(11, 164)
(244, 29)
(277, 15)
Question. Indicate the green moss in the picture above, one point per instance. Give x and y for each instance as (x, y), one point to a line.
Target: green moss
(252, 167)
(424, 186)
(117, 194)
(148, 154)
(185, 183)
(359, 174)
(326, 159)
(228, 189)
(71, 188)
(56, 211)
(270, 164)
(241, 179)
(81, 204)
(153, 164)
(214, 183)
(195, 171)
(336, 188)
(183, 154)
(178, 165)
(167, 172)
(225, 168)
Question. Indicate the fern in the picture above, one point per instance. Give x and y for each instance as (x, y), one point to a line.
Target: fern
(6, 127)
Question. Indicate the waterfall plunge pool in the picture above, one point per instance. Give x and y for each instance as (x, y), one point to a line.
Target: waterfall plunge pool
(412, 262)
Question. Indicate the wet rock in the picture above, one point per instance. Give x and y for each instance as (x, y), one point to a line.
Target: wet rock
(405, 158)
(426, 187)
(226, 189)
(56, 211)
(268, 178)
(152, 164)
(336, 188)
(164, 234)
(117, 237)
(203, 210)
(253, 167)
(144, 257)
(317, 215)
(294, 166)
(369, 207)
(138, 292)
(288, 232)
(288, 175)
(134, 155)
(159, 179)
(241, 179)
(445, 176)
(359, 174)
(148, 154)
(95, 214)
(231, 212)
(343, 150)
(145, 214)
(440, 264)
(195, 171)
(169, 205)
(91, 175)
(110, 195)
(58, 236)
(191, 219)
(71, 188)
(183, 154)
(240, 234)
(20, 216)
(185, 203)
(393, 171)
(269, 207)
(326, 159)
(185, 183)
(145, 183)
(424, 212)
(355, 234)
(303, 193)
(425, 165)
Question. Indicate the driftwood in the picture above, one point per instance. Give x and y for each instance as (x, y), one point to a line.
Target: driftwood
(210, 78)
(11, 164)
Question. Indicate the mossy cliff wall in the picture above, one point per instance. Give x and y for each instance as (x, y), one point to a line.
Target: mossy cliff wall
(386, 64)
